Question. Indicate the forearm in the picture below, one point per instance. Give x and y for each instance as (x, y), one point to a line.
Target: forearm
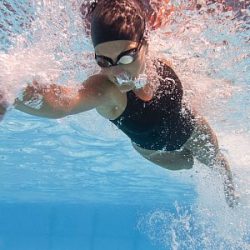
(42, 109)
(43, 101)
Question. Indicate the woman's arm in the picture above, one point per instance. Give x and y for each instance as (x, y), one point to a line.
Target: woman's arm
(158, 12)
(55, 101)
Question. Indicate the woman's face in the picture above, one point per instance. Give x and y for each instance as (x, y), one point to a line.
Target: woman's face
(128, 72)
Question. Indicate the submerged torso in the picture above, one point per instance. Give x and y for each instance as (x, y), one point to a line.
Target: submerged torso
(163, 123)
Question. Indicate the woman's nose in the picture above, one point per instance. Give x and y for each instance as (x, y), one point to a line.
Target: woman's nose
(117, 71)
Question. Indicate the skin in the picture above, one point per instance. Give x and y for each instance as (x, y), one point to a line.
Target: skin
(109, 99)
(3, 106)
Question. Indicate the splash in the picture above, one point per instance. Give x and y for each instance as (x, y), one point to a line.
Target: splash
(196, 227)
(49, 46)
(208, 223)
(208, 50)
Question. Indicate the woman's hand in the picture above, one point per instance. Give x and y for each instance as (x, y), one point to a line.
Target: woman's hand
(51, 101)
(3, 106)
(160, 16)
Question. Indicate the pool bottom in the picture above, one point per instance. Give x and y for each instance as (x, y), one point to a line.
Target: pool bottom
(71, 227)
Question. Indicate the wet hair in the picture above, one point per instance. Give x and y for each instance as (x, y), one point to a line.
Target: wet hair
(117, 20)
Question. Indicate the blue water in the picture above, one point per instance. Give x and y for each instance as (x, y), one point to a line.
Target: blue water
(76, 183)
(71, 226)
(64, 189)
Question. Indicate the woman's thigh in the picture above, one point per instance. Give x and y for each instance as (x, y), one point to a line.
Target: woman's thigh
(203, 142)
(172, 160)
(203, 145)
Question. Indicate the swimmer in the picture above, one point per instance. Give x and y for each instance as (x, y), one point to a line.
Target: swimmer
(143, 98)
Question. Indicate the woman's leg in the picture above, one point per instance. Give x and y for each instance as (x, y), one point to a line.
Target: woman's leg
(172, 160)
(204, 146)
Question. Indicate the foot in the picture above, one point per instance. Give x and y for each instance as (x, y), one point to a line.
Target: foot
(231, 197)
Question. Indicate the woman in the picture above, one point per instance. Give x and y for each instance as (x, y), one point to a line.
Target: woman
(141, 97)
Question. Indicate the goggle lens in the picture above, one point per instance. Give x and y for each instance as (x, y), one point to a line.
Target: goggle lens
(126, 59)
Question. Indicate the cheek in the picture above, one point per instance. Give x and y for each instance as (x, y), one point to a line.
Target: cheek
(139, 64)
(107, 71)
(136, 68)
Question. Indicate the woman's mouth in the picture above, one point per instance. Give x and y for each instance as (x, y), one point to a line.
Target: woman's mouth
(123, 79)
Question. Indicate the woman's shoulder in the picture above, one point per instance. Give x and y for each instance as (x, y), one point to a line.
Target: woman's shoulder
(102, 87)
(168, 80)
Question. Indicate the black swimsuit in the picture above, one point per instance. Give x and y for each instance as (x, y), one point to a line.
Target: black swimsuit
(162, 123)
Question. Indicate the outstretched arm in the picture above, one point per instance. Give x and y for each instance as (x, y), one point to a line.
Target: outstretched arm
(55, 101)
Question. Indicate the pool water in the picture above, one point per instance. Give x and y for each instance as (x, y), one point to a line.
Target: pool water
(76, 183)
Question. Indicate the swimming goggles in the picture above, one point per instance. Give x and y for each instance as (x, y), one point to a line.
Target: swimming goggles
(124, 58)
